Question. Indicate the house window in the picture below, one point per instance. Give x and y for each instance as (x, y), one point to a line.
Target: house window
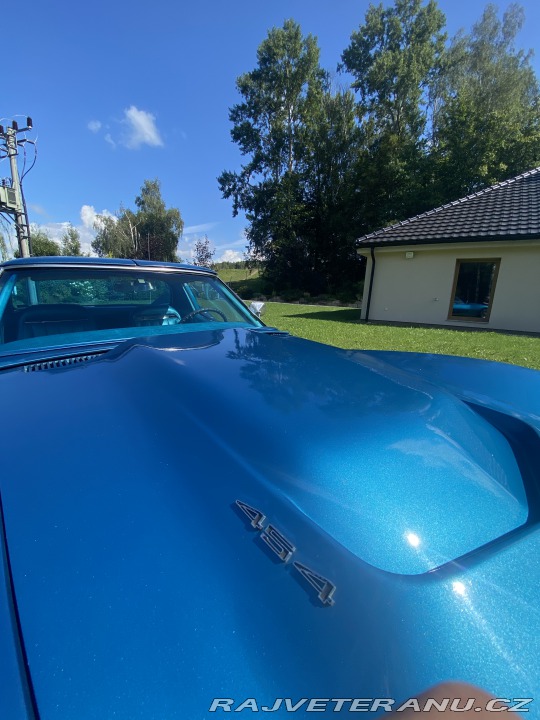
(473, 290)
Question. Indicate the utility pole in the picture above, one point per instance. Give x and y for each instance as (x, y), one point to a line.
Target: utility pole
(11, 197)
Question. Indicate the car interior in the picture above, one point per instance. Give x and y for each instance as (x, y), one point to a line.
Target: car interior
(60, 304)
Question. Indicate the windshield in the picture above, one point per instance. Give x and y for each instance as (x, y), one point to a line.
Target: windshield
(50, 307)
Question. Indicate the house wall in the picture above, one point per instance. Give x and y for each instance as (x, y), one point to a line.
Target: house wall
(419, 290)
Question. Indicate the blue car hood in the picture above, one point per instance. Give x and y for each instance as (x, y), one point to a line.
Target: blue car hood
(143, 588)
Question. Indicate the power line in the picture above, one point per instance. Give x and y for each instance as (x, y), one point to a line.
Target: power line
(25, 172)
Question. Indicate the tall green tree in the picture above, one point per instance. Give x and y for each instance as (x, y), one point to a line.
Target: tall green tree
(159, 227)
(489, 126)
(396, 58)
(300, 143)
(70, 242)
(117, 236)
(151, 232)
(329, 176)
(269, 124)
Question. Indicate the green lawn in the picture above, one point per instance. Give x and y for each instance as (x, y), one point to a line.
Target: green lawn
(340, 327)
(246, 283)
(236, 275)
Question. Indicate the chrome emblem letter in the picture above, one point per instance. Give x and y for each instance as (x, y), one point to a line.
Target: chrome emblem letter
(278, 543)
(325, 589)
(256, 517)
(284, 549)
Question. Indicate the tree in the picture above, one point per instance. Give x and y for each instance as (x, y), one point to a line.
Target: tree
(489, 125)
(396, 59)
(293, 170)
(149, 233)
(159, 227)
(71, 242)
(203, 252)
(4, 254)
(41, 243)
(117, 236)
(268, 126)
(329, 177)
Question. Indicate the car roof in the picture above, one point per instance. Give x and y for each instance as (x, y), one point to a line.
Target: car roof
(101, 262)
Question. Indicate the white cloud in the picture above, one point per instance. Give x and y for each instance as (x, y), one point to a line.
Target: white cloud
(89, 216)
(238, 243)
(140, 129)
(86, 228)
(137, 128)
(242, 242)
(38, 209)
(87, 231)
(231, 256)
(196, 229)
(54, 230)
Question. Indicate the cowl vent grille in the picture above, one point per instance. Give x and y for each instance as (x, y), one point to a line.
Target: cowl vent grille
(61, 362)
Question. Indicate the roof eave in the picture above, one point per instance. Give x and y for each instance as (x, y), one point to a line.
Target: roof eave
(447, 240)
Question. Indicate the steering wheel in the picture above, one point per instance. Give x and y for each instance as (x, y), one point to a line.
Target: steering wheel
(204, 310)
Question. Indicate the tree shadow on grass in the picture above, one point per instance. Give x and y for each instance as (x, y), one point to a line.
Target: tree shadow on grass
(347, 315)
(248, 287)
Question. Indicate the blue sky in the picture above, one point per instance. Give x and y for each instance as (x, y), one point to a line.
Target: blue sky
(122, 91)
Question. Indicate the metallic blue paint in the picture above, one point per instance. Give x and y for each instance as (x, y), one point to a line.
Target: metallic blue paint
(509, 388)
(15, 701)
(410, 482)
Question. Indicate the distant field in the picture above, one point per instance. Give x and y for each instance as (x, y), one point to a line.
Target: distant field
(340, 327)
(244, 282)
(234, 275)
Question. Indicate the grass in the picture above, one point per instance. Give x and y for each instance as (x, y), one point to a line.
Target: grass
(341, 327)
(237, 274)
(246, 283)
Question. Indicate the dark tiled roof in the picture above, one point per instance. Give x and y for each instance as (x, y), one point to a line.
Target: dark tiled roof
(508, 210)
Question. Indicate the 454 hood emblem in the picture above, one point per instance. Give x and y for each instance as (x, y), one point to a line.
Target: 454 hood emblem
(284, 549)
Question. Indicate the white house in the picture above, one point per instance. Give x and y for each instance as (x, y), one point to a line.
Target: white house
(475, 261)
